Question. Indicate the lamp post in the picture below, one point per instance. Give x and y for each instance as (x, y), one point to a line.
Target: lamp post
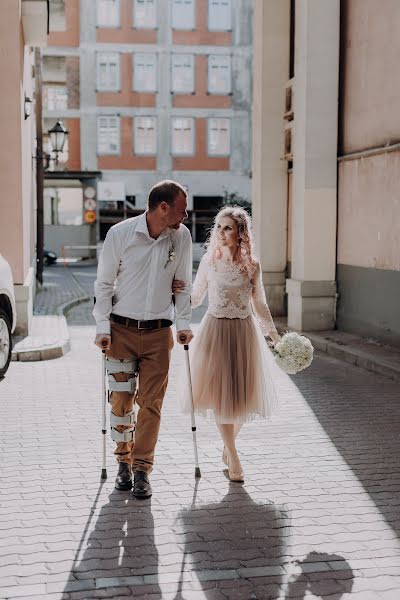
(58, 135)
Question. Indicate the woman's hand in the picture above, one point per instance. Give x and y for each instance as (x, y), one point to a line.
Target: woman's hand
(178, 286)
(275, 337)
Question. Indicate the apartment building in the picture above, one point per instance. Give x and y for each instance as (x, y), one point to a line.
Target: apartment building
(150, 89)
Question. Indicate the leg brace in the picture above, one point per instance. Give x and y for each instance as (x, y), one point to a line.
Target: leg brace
(122, 366)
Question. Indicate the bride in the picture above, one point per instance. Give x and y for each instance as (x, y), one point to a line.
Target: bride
(230, 359)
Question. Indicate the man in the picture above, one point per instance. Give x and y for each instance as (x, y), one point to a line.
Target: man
(134, 313)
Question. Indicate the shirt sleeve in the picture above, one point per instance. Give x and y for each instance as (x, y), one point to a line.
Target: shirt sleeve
(104, 285)
(183, 272)
(200, 285)
(259, 303)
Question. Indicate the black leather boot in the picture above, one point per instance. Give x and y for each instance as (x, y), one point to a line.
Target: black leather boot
(141, 485)
(124, 478)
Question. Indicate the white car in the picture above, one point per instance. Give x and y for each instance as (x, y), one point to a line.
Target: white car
(8, 314)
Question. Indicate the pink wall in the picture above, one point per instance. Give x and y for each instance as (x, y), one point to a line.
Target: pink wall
(16, 197)
(371, 86)
(369, 212)
(369, 200)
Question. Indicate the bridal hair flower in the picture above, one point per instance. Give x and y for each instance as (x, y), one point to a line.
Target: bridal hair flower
(293, 352)
(171, 252)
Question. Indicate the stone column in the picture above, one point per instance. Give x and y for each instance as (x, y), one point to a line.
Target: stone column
(312, 288)
(269, 171)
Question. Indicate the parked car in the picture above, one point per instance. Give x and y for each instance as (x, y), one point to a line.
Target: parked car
(49, 257)
(8, 315)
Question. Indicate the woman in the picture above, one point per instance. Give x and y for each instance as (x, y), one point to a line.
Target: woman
(230, 359)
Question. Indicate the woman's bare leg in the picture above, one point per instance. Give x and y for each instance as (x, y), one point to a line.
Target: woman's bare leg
(227, 432)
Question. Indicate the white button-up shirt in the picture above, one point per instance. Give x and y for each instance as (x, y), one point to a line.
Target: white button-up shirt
(135, 273)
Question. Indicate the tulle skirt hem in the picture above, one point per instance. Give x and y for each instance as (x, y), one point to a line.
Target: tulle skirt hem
(231, 367)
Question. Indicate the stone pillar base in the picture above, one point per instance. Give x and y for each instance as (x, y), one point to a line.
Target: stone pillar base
(311, 305)
(24, 297)
(274, 285)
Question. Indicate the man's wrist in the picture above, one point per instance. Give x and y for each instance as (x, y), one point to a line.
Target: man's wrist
(103, 327)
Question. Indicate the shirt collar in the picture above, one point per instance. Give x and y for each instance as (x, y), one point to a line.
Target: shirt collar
(141, 227)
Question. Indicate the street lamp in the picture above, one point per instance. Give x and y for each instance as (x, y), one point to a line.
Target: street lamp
(58, 135)
(27, 107)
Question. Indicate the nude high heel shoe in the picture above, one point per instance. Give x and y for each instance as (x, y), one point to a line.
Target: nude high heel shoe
(237, 477)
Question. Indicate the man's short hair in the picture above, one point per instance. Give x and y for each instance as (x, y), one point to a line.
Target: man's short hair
(164, 191)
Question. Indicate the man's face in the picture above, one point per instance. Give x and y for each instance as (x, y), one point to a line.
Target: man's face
(177, 212)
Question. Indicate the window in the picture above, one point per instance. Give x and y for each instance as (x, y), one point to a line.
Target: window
(108, 71)
(108, 13)
(183, 14)
(219, 15)
(144, 14)
(145, 141)
(182, 136)
(219, 74)
(219, 137)
(183, 73)
(108, 135)
(55, 97)
(145, 72)
(57, 20)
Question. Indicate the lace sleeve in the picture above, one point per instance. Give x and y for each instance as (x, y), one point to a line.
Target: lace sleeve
(259, 303)
(200, 284)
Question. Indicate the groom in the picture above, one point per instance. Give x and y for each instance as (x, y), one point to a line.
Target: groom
(134, 313)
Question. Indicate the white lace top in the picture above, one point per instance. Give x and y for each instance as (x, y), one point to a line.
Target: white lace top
(232, 294)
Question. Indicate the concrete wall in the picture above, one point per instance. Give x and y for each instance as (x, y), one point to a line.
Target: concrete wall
(73, 235)
(368, 254)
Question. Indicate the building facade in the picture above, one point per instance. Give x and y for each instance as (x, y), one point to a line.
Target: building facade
(23, 26)
(153, 89)
(325, 163)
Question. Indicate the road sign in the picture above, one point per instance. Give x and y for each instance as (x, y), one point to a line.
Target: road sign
(89, 192)
(89, 216)
(89, 204)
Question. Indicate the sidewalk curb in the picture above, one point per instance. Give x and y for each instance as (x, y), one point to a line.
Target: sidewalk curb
(357, 357)
(62, 346)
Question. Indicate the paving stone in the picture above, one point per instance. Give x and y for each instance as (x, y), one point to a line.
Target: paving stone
(320, 506)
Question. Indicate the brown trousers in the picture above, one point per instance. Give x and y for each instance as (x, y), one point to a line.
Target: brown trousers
(153, 349)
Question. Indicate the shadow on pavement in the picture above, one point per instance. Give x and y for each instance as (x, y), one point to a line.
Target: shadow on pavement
(360, 413)
(120, 545)
(233, 533)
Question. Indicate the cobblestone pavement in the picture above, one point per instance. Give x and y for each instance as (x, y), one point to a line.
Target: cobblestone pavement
(317, 518)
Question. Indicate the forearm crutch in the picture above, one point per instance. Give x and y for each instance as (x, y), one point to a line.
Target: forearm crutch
(104, 418)
(197, 472)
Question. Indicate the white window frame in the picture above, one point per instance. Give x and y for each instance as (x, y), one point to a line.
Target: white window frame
(191, 123)
(138, 58)
(140, 121)
(109, 119)
(59, 94)
(178, 20)
(104, 24)
(182, 70)
(218, 12)
(211, 122)
(212, 63)
(152, 21)
(100, 59)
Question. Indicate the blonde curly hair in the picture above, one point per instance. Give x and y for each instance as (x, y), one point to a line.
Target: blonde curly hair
(245, 253)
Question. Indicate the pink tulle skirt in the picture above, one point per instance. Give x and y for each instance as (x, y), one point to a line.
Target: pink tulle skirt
(231, 368)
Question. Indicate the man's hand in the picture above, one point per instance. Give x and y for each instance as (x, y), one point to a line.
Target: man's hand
(178, 286)
(103, 341)
(184, 336)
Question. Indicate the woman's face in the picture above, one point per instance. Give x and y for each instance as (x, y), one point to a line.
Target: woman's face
(227, 232)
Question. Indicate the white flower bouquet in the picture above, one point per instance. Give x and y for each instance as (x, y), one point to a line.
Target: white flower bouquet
(293, 352)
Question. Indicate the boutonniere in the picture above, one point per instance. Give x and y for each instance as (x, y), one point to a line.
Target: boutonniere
(171, 252)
